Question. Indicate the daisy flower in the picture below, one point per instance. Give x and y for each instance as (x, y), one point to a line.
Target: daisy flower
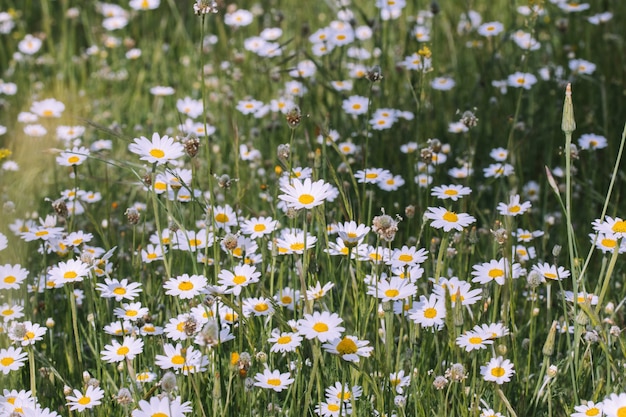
(333, 408)
(391, 183)
(294, 241)
(185, 287)
(117, 352)
(284, 341)
(473, 340)
(372, 175)
(398, 380)
(429, 311)
(74, 157)
(257, 306)
(241, 276)
(176, 357)
(317, 291)
(355, 105)
(492, 330)
(452, 192)
(47, 108)
(81, 402)
(498, 370)
(521, 79)
(249, 106)
(490, 29)
(273, 380)
(152, 253)
(159, 150)
(550, 272)
(457, 289)
(343, 393)
(513, 208)
(582, 298)
(287, 297)
(407, 256)
(349, 348)
(324, 326)
(524, 235)
(10, 312)
(588, 409)
(182, 327)
(12, 359)
(258, 226)
(162, 407)
(442, 83)
(238, 18)
(607, 242)
(393, 289)
(494, 270)
(67, 272)
(448, 220)
(131, 312)
(498, 170)
(145, 377)
(351, 232)
(11, 276)
(144, 4)
(224, 217)
(120, 290)
(307, 194)
(591, 141)
(615, 226)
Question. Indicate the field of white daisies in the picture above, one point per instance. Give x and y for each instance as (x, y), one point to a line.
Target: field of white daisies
(332, 208)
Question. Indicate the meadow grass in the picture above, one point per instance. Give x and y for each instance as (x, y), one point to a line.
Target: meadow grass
(398, 210)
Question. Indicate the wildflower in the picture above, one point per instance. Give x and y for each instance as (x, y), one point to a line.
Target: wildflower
(488, 412)
(224, 217)
(238, 18)
(351, 233)
(591, 141)
(448, 220)
(498, 170)
(131, 311)
(242, 276)
(513, 208)
(185, 287)
(521, 79)
(11, 276)
(324, 326)
(118, 352)
(114, 288)
(524, 235)
(355, 105)
(67, 272)
(498, 370)
(442, 83)
(10, 312)
(391, 183)
(551, 272)
(614, 405)
(81, 402)
(159, 150)
(495, 270)
(47, 108)
(588, 409)
(318, 291)
(273, 380)
(152, 253)
(407, 256)
(458, 290)
(581, 298)
(393, 289)
(343, 393)
(573, 7)
(162, 406)
(284, 341)
(333, 408)
(12, 359)
(490, 29)
(596, 19)
(473, 340)
(305, 194)
(349, 348)
(257, 306)
(398, 381)
(190, 107)
(452, 192)
(144, 4)
(372, 175)
(176, 357)
(385, 227)
(295, 241)
(429, 311)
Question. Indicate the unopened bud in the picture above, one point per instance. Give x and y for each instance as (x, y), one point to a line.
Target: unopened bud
(568, 124)
(548, 346)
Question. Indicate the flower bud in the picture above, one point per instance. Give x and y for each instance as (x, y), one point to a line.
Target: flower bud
(548, 346)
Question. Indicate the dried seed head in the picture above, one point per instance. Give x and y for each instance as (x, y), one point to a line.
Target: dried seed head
(124, 397)
(385, 226)
(409, 211)
(132, 215)
(293, 117)
(374, 74)
(440, 382)
(202, 7)
(190, 326)
(192, 146)
(168, 382)
(500, 235)
(60, 208)
(456, 372)
(230, 241)
(283, 151)
(469, 119)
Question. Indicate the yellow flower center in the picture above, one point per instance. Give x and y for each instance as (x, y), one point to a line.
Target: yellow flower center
(7, 361)
(371, 175)
(430, 313)
(145, 4)
(41, 233)
(496, 273)
(159, 415)
(178, 360)
(392, 292)
(306, 199)
(123, 350)
(405, 258)
(283, 340)
(194, 242)
(619, 226)
(47, 113)
(131, 313)
(451, 192)
(260, 227)
(7, 312)
(160, 186)
(119, 291)
(273, 381)
(237, 251)
(346, 346)
(450, 216)
(157, 153)
(10, 279)
(475, 340)
(333, 407)
(498, 371)
(151, 256)
(297, 246)
(261, 307)
(239, 279)
(514, 209)
(185, 286)
(84, 401)
(320, 327)
(621, 412)
(609, 243)
(29, 336)
(73, 159)
(221, 218)
(550, 275)
(286, 299)
(593, 411)
(70, 275)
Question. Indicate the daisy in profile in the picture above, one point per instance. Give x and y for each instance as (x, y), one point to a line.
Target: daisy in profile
(452, 192)
(317, 291)
(307, 194)
(12, 276)
(74, 157)
(10, 312)
(240, 277)
(185, 287)
(339, 248)
(294, 241)
(525, 235)
(12, 359)
(162, 406)
(448, 220)
(550, 272)
(492, 330)
(498, 370)
(349, 348)
(118, 352)
(398, 381)
(324, 326)
(442, 83)
(343, 392)
(158, 150)
(582, 298)
(66, 272)
(429, 312)
(591, 141)
(514, 207)
(119, 289)
(152, 253)
(473, 340)
(47, 108)
(495, 270)
(144, 4)
(259, 226)
(284, 341)
(498, 170)
(589, 408)
(273, 380)
(351, 232)
(287, 297)
(355, 105)
(81, 402)
(372, 175)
